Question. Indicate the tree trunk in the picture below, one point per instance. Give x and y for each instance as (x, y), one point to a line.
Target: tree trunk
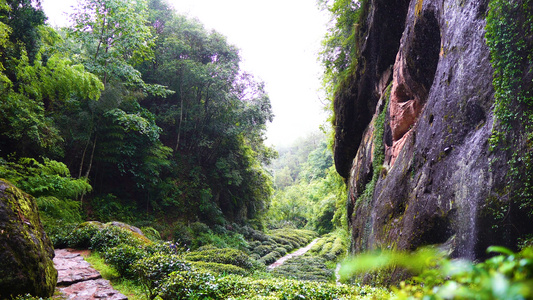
(181, 116)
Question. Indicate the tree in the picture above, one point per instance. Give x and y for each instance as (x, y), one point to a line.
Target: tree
(113, 38)
(215, 121)
(34, 85)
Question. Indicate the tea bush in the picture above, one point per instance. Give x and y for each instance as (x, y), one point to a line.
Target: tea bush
(188, 285)
(279, 243)
(305, 268)
(218, 268)
(59, 232)
(331, 247)
(112, 236)
(81, 236)
(152, 270)
(223, 256)
(270, 258)
(164, 248)
(237, 287)
(263, 250)
(122, 258)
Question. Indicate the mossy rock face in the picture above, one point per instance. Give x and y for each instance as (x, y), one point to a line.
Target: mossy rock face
(26, 253)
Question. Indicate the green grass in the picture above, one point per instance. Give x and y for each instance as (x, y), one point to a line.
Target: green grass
(125, 286)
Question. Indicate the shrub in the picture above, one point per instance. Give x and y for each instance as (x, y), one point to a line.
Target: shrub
(282, 251)
(223, 256)
(318, 245)
(112, 236)
(305, 268)
(81, 236)
(188, 285)
(338, 247)
(270, 258)
(285, 241)
(122, 258)
(237, 287)
(263, 250)
(164, 248)
(59, 232)
(326, 248)
(182, 234)
(253, 245)
(217, 268)
(151, 271)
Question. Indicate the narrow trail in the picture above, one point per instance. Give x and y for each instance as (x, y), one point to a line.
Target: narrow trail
(78, 280)
(296, 253)
(337, 274)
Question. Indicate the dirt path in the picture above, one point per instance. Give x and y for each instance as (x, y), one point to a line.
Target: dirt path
(298, 252)
(77, 280)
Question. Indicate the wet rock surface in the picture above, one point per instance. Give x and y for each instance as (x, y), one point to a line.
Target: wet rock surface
(78, 280)
(72, 268)
(92, 289)
(439, 182)
(25, 251)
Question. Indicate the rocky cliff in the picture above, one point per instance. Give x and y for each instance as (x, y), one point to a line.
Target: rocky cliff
(26, 253)
(432, 127)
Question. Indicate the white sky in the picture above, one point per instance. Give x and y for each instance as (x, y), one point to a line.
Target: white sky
(279, 42)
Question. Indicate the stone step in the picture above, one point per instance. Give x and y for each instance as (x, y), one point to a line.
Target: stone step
(78, 280)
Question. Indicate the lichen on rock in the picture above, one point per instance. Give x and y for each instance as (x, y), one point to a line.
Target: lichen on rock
(26, 253)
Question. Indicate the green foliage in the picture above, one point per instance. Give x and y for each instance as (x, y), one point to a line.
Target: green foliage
(123, 257)
(27, 297)
(508, 34)
(50, 182)
(189, 285)
(379, 151)
(119, 39)
(314, 195)
(506, 275)
(34, 86)
(109, 208)
(215, 123)
(218, 268)
(309, 268)
(24, 20)
(198, 235)
(80, 237)
(112, 236)
(331, 247)
(236, 287)
(192, 151)
(340, 46)
(128, 287)
(267, 249)
(152, 270)
(340, 43)
(223, 256)
(151, 233)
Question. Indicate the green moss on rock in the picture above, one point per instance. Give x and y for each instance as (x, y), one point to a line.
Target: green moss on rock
(26, 253)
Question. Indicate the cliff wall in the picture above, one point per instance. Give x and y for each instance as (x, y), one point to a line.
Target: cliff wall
(415, 130)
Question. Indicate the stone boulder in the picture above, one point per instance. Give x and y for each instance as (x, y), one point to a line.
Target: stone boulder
(26, 253)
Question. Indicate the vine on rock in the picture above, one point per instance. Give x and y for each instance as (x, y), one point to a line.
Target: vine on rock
(508, 33)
